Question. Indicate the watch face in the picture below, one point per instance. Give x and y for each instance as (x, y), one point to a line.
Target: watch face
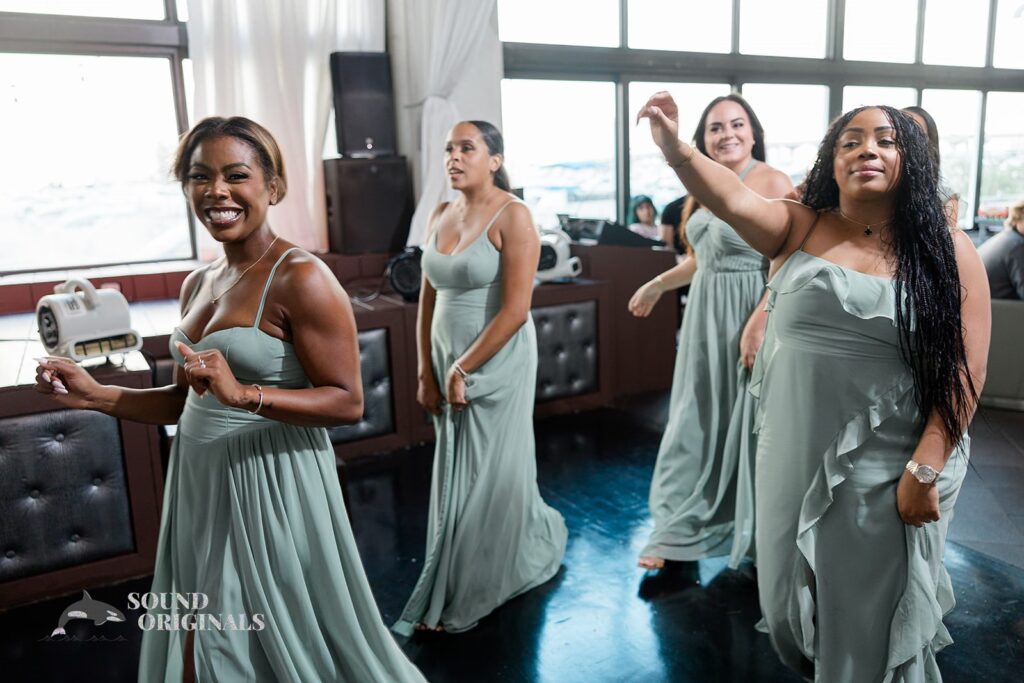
(925, 474)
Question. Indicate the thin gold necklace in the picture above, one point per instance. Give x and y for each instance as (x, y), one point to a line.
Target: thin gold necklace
(867, 226)
(242, 274)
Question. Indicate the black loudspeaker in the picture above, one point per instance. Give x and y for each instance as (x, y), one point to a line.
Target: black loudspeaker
(404, 273)
(364, 106)
(369, 205)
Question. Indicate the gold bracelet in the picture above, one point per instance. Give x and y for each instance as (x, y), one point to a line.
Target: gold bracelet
(685, 161)
(259, 406)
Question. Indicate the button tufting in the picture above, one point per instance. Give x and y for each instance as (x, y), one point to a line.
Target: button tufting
(75, 538)
(97, 481)
(34, 493)
(58, 437)
(9, 553)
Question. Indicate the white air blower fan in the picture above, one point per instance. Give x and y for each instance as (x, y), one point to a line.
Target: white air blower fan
(555, 260)
(89, 324)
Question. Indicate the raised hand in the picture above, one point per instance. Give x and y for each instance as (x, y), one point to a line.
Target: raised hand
(66, 383)
(209, 371)
(661, 110)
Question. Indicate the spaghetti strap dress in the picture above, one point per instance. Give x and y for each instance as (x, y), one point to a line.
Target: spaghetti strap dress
(490, 535)
(701, 497)
(844, 584)
(253, 520)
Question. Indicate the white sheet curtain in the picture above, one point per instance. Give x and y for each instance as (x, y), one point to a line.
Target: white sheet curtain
(268, 60)
(456, 31)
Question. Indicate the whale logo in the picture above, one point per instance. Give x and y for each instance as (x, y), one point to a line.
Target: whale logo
(87, 608)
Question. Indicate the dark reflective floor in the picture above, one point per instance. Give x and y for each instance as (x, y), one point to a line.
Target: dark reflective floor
(597, 620)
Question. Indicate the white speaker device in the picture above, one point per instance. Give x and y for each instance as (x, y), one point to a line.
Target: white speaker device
(90, 323)
(555, 260)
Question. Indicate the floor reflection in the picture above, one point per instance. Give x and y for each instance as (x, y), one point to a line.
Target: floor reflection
(599, 620)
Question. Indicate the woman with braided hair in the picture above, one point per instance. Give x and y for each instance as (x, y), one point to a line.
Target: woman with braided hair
(874, 355)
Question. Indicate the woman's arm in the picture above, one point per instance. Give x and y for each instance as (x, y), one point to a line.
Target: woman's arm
(323, 330)
(762, 223)
(919, 503)
(428, 393)
(71, 386)
(753, 332)
(643, 300)
(520, 252)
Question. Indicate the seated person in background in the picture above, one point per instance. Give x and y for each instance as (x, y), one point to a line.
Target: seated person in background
(671, 219)
(1003, 256)
(643, 217)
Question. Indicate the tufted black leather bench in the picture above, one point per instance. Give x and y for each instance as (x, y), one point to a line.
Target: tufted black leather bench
(80, 491)
(62, 495)
(566, 349)
(378, 415)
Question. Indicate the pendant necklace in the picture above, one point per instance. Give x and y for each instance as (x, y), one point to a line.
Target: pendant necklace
(242, 274)
(867, 226)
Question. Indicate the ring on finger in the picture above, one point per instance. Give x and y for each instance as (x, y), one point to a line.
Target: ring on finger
(202, 363)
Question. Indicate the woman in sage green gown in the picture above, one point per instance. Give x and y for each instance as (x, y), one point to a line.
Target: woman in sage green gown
(702, 497)
(490, 536)
(875, 353)
(253, 517)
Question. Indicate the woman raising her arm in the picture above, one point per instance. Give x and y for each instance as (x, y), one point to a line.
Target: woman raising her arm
(701, 496)
(874, 355)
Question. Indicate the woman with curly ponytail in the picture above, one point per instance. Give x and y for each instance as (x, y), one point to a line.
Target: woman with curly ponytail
(872, 363)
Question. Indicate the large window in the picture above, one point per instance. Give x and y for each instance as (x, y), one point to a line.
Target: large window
(955, 33)
(1009, 47)
(794, 119)
(866, 96)
(85, 166)
(564, 165)
(559, 22)
(1002, 181)
(957, 115)
(686, 25)
(120, 9)
(800, 63)
(870, 30)
(92, 105)
(785, 28)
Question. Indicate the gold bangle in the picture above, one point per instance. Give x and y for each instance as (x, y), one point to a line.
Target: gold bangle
(686, 159)
(259, 406)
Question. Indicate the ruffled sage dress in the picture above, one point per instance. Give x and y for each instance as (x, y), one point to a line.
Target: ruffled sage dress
(844, 583)
(490, 536)
(253, 519)
(701, 497)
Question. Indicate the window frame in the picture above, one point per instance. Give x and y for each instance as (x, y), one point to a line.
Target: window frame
(55, 34)
(622, 65)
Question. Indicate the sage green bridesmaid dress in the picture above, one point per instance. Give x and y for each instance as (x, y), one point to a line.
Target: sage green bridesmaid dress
(844, 584)
(701, 497)
(253, 518)
(490, 536)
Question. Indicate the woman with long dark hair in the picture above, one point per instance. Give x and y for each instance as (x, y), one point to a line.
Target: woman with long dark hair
(874, 356)
(701, 496)
(490, 536)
